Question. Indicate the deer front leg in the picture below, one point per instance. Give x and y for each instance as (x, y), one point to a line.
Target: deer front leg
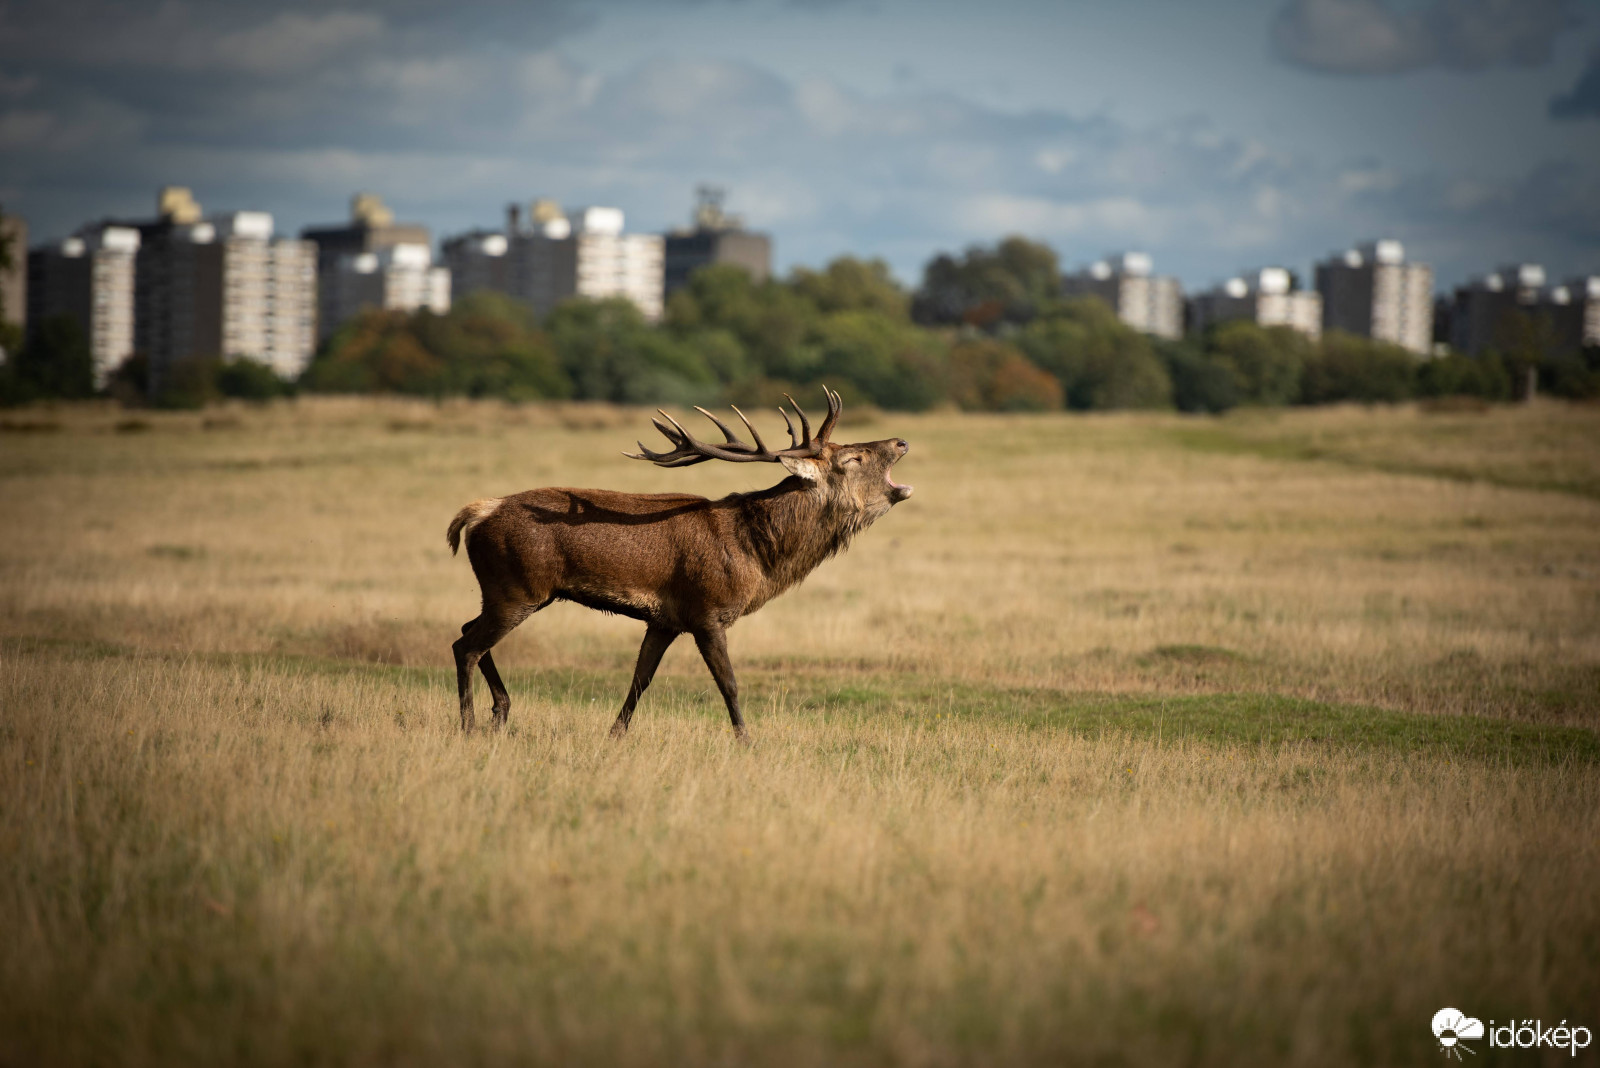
(713, 646)
(656, 641)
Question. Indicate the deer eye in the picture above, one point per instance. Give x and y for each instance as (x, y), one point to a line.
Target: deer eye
(851, 460)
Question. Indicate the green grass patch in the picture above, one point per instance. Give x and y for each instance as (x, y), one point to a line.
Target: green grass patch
(1223, 719)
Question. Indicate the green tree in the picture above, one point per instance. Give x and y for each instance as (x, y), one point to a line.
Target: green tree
(491, 346)
(1010, 282)
(1460, 375)
(991, 376)
(1198, 384)
(56, 361)
(612, 354)
(1345, 367)
(894, 364)
(376, 352)
(1265, 361)
(1100, 362)
(770, 320)
(248, 379)
(849, 284)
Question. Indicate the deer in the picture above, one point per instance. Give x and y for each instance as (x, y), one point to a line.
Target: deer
(679, 563)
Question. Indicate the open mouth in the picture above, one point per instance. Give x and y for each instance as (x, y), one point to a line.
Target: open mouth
(897, 492)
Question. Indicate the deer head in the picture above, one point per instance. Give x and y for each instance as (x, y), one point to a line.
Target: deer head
(856, 476)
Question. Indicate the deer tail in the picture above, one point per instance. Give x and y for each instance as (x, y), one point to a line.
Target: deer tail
(469, 517)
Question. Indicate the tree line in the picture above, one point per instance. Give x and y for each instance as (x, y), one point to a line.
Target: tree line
(985, 331)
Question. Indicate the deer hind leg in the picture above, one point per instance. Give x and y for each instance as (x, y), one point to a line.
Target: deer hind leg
(656, 642)
(713, 645)
(472, 651)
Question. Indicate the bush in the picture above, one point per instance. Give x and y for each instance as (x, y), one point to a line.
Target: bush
(1349, 368)
(1265, 361)
(1198, 384)
(55, 362)
(992, 376)
(1459, 375)
(1100, 362)
(252, 380)
(189, 383)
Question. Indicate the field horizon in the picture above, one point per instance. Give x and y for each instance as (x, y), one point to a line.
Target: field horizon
(1128, 739)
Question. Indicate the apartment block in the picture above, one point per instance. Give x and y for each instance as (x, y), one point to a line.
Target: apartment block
(342, 270)
(1483, 316)
(1145, 301)
(557, 256)
(223, 287)
(1372, 291)
(1574, 309)
(714, 236)
(89, 277)
(1267, 297)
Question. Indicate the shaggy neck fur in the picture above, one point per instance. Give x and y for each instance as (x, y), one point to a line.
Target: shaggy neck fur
(796, 525)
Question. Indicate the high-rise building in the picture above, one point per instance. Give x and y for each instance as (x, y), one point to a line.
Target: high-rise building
(398, 277)
(1574, 308)
(222, 287)
(1146, 302)
(1266, 296)
(1372, 291)
(14, 279)
(90, 278)
(714, 236)
(557, 257)
(1482, 317)
(371, 229)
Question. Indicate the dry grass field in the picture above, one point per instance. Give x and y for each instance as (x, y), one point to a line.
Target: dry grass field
(1134, 739)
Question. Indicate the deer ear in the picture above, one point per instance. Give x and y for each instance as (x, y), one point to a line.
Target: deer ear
(804, 466)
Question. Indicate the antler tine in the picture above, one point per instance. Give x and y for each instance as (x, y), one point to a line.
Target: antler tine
(805, 424)
(760, 445)
(835, 406)
(794, 442)
(729, 435)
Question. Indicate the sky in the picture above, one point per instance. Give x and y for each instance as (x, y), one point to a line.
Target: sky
(1216, 135)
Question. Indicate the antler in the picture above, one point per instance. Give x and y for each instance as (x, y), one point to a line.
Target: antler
(687, 450)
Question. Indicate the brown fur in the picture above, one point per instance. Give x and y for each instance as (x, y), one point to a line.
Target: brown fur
(678, 563)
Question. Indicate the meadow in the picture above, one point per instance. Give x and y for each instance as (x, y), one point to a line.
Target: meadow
(1129, 739)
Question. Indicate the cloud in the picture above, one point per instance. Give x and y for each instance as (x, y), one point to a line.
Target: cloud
(1376, 37)
(1582, 101)
(450, 121)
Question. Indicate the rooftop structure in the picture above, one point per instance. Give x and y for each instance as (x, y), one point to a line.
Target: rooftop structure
(1143, 300)
(1372, 291)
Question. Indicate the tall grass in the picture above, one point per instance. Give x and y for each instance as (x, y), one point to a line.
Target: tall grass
(1105, 747)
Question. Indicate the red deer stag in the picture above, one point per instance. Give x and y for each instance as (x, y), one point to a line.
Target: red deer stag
(677, 562)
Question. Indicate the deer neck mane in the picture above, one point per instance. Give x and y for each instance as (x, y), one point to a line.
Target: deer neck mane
(796, 525)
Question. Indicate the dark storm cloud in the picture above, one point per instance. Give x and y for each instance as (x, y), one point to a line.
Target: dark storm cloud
(451, 112)
(1583, 100)
(1375, 37)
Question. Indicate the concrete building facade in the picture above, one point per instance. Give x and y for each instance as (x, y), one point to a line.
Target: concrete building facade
(398, 278)
(1147, 302)
(714, 236)
(1574, 308)
(1482, 315)
(91, 278)
(223, 287)
(1372, 291)
(371, 229)
(1267, 297)
(556, 257)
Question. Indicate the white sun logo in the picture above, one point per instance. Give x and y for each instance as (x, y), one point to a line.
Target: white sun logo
(1451, 1027)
